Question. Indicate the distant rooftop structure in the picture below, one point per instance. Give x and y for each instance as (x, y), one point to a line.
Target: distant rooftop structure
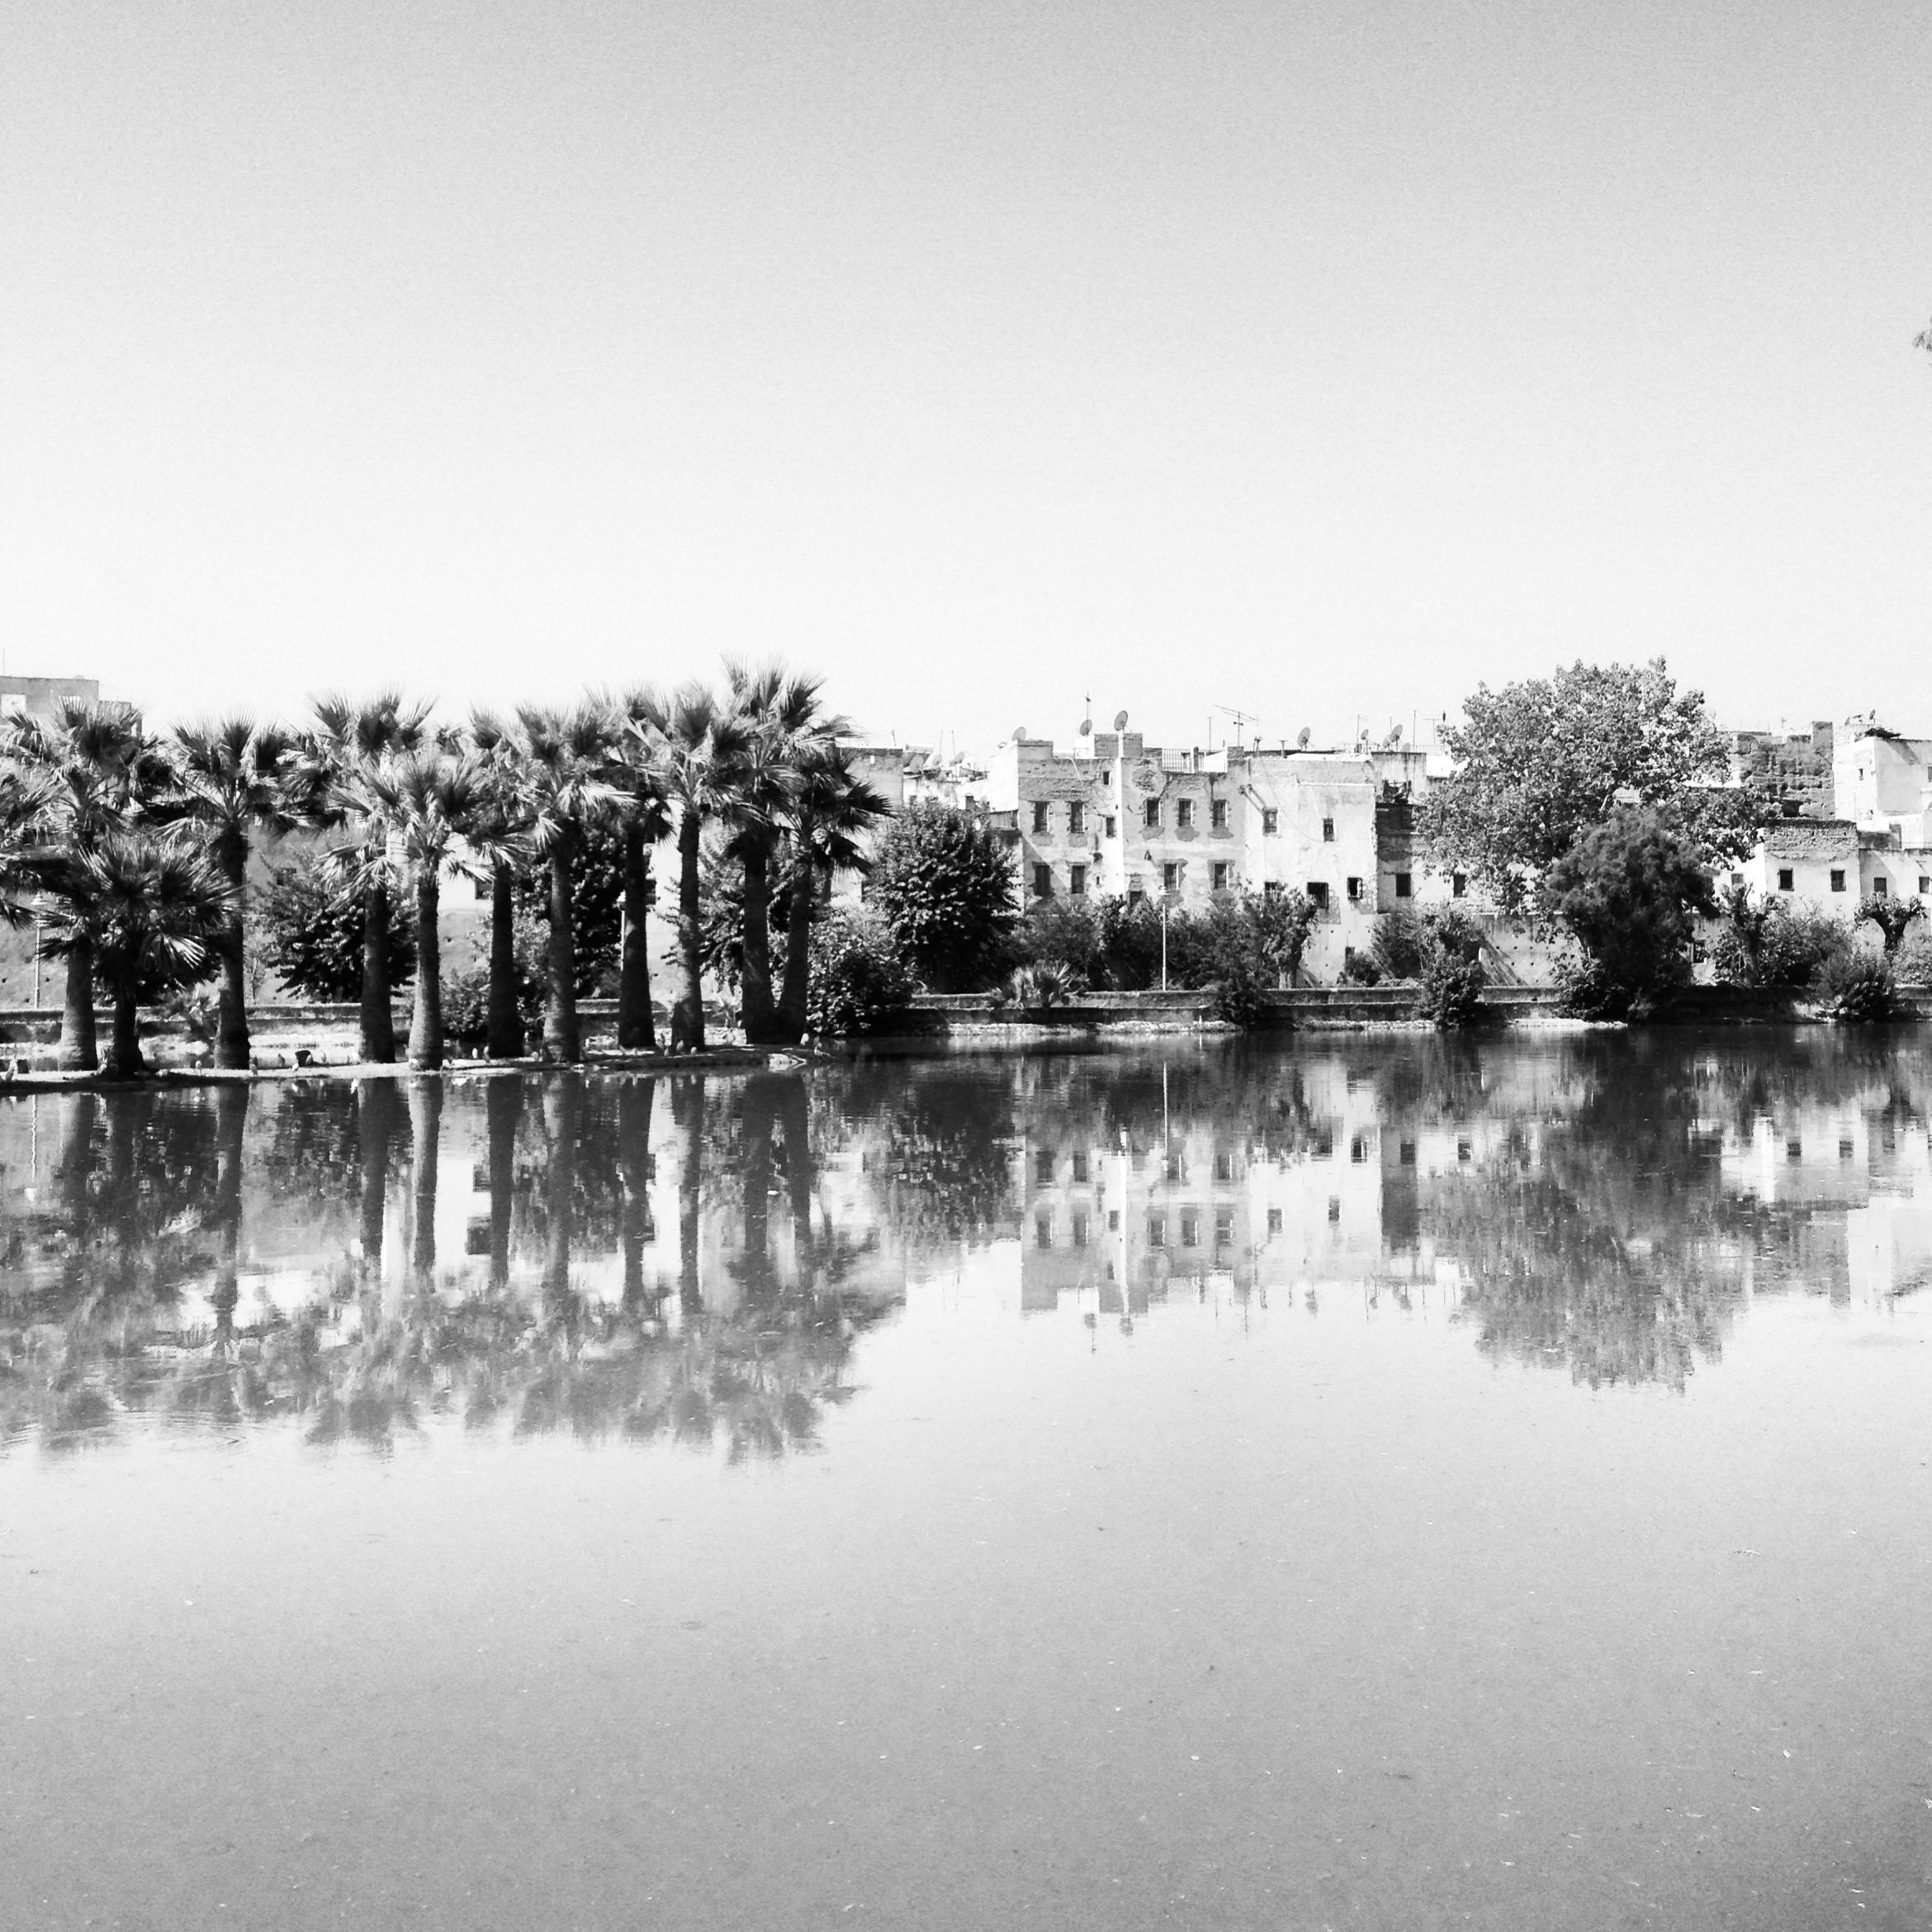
(37, 697)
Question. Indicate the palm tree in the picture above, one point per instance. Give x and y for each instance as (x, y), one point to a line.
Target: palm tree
(831, 812)
(644, 822)
(499, 849)
(564, 756)
(138, 907)
(787, 727)
(97, 769)
(425, 800)
(349, 744)
(701, 746)
(230, 780)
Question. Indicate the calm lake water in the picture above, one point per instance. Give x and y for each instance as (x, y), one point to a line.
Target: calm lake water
(1379, 1482)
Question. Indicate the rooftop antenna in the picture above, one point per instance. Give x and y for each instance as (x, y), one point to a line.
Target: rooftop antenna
(1302, 737)
(1120, 721)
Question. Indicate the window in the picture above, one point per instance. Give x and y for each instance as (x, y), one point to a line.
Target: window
(1223, 1226)
(1355, 889)
(1080, 1230)
(1785, 882)
(1113, 830)
(1171, 877)
(1335, 1207)
(1328, 831)
(1157, 1230)
(1272, 888)
(477, 1237)
(1173, 1166)
(1113, 1220)
(1794, 1150)
(1077, 880)
(1458, 884)
(1043, 1229)
(1358, 1150)
(1270, 821)
(1076, 820)
(1403, 881)
(1274, 1220)
(1190, 1229)
(1223, 1167)
(1845, 1150)
(1880, 888)
(1043, 882)
(1220, 879)
(1043, 1167)
(1151, 815)
(1184, 814)
(1318, 892)
(1218, 815)
(1080, 1168)
(1405, 1154)
(1837, 880)
(1925, 882)
(1463, 1150)
(1136, 895)
(1040, 810)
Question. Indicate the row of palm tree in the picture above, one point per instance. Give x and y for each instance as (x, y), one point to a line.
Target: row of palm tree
(131, 852)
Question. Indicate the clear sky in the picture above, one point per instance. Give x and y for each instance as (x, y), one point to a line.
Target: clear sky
(1318, 359)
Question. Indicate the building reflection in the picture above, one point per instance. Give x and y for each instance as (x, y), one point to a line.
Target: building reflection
(693, 1257)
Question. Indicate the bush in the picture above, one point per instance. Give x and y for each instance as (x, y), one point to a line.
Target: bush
(1774, 943)
(858, 983)
(944, 882)
(465, 1005)
(1452, 984)
(1855, 985)
(1065, 933)
(1401, 945)
(1359, 969)
(1627, 890)
(1912, 964)
(1047, 983)
(312, 925)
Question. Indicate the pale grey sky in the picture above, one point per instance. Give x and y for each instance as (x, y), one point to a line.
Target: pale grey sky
(1318, 360)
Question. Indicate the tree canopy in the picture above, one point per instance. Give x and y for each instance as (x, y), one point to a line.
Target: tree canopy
(1540, 762)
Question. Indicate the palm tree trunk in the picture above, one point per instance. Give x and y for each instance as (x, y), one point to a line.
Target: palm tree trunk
(754, 1178)
(561, 1038)
(231, 1020)
(791, 1012)
(687, 1015)
(795, 1116)
(634, 1105)
(761, 1014)
(506, 1107)
(77, 1051)
(637, 1027)
(559, 1118)
(378, 1025)
(505, 1017)
(375, 1120)
(426, 1017)
(688, 1108)
(124, 1051)
(425, 1130)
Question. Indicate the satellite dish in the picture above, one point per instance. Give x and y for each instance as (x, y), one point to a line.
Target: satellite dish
(1395, 736)
(1086, 727)
(1302, 737)
(1019, 732)
(1120, 721)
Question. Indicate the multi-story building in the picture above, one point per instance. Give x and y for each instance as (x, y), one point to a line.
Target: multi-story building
(1112, 815)
(37, 697)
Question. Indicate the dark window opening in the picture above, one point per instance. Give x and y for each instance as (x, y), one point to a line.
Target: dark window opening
(1184, 814)
(1040, 818)
(1328, 831)
(1043, 882)
(1785, 882)
(1151, 813)
(1271, 821)
(1218, 815)
(1402, 885)
(1837, 880)
(1075, 820)
(1077, 880)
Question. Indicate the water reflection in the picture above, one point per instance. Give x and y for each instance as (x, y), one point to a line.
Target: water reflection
(695, 1258)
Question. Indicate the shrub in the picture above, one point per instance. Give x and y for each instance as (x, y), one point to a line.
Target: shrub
(1855, 985)
(858, 983)
(465, 1005)
(1401, 945)
(1047, 983)
(1360, 969)
(945, 884)
(1451, 993)
(1796, 943)
(313, 926)
(1627, 890)
(1064, 933)
(1912, 964)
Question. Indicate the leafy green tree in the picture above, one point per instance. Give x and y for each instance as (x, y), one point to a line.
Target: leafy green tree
(316, 923)
(1892, 916)
(146, 911)
(231, 781)
(597, 908)
(944, 879)
(1540, 763)
(859, 984)
(1629, 891)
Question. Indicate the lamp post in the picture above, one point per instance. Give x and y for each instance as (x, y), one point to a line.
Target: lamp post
(1147, 852)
